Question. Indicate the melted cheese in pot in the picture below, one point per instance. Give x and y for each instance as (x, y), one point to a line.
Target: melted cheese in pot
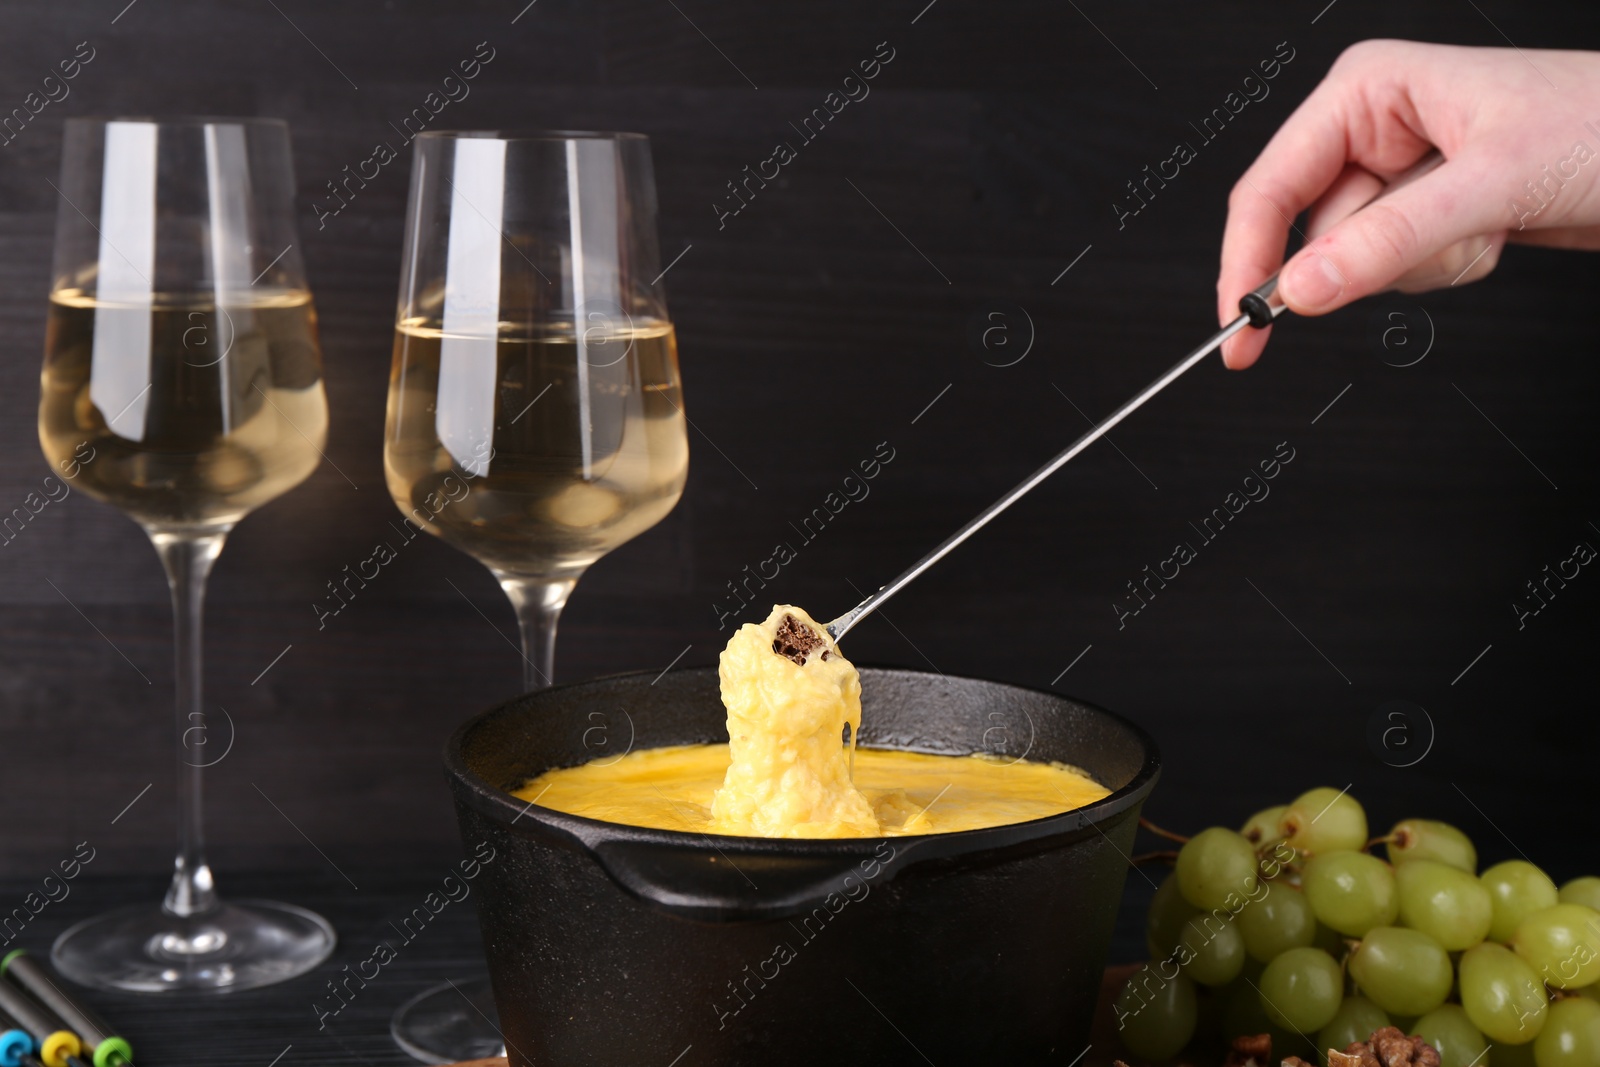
(787, 770)
(906, 792)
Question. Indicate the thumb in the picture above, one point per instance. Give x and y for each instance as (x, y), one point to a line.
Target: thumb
(1370, 250)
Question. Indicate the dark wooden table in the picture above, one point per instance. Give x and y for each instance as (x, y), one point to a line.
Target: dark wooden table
(279, 1024)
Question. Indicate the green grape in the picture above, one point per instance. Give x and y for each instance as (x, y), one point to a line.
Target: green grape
(1562, 943)
(1425, 839)
(1510, 1055)
(1448, 1030)
(1350, 891)
(1276, 921)
(1585, 891)
(1355, 1020)
(1302, 989)
(1263, 825)
(1517, 889)
(1404, 972)
(1571, 1035)
(1444, 902)
(1502, 994)
(1216, 869)
(1156, 1015)
(1211, 952)
(1324, 820)
(1168, 914)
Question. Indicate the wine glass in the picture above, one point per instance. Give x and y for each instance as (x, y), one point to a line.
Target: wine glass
(535, 420)
(182, 384)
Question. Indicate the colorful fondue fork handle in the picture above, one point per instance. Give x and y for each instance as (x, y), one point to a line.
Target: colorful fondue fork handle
(57, 1046)
(16, 1045)
(95, 1034)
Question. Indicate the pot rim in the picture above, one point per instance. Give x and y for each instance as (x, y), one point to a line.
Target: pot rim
(504, 808)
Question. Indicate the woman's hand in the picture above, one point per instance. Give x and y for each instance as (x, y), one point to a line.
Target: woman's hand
(1520, 133)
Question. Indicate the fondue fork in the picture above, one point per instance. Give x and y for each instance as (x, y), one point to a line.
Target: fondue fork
(1257, 309)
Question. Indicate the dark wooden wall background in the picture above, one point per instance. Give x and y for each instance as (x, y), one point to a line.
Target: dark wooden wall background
(996, 141)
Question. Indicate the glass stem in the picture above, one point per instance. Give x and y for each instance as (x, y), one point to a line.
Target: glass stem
(538, 603)
(188, 559)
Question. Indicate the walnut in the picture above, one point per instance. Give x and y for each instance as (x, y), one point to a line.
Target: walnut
(1294, 1061)
(1356, 1054)
(1387, 1047)
(1395, 1049)
(1250, 1050)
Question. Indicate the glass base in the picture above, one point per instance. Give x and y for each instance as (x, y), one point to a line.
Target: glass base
(143, 949)
(450, 1023)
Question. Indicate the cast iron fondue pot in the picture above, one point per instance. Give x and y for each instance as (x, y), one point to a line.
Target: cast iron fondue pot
(612, 944)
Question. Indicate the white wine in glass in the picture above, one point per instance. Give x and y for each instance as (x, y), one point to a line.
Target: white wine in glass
(205, 443)
(182, 384)
(535, 418)
(537, 510)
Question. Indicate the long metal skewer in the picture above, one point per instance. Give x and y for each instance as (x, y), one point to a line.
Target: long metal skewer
(1257, 308)
(840, 626)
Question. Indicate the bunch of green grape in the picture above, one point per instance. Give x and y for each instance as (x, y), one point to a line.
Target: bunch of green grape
(1292, 926)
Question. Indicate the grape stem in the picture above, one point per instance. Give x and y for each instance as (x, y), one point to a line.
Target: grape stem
(1272, 847)
(1386, 839)
(1169, 857)
(1159, 832)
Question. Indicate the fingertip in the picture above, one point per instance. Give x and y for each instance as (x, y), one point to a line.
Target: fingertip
(1312, 283)
(1229, 360)
(1242, 350)
(1227, 296)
